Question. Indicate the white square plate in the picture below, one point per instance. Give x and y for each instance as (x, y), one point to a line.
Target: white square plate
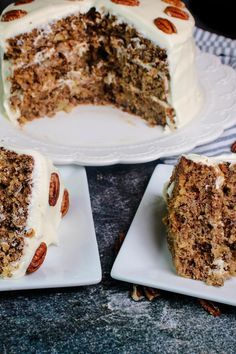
(144, 257)
(75, 260)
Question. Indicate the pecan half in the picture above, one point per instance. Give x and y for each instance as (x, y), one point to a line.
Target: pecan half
(151, 293)
(22, 2)
(177, 3)
(65, 203)
(127, 2)
(38, 258)
(176, 12)
(233, 147)
(165, 25)
(54, 189)
(210, 307)
(13, 15)
(137, 293)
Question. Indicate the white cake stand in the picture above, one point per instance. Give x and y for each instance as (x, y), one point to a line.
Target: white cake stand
(97, 136)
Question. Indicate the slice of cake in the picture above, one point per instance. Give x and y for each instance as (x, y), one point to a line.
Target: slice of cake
(201, 218)
(136, 55)
(32, 203)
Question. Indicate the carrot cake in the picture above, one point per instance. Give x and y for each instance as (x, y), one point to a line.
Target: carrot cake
(137, 55)
(201, 218)
(32, 203)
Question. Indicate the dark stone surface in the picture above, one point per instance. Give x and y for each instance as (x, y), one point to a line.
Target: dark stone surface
(103, 318)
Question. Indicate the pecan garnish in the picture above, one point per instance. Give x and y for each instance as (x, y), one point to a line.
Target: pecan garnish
(13, 15)
(54, 189)
(165, 25)
(233, 147)
(176, 3)
(127, 2)
(22, 2)
(210, 307)
(176, 12)
(38, 258)
(65, 203)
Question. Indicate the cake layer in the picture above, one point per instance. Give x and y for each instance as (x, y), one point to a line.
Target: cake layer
(98, 67)
(27, 218)
(123, 39)
(201, 219)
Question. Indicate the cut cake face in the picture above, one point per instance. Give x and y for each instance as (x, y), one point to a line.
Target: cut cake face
(32, 204)
(136, 55)
(201, 218)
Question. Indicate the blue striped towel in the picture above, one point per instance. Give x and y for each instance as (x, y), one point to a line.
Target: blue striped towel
(225, 49)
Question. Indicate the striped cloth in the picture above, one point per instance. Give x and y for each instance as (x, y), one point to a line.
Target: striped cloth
(225, 49)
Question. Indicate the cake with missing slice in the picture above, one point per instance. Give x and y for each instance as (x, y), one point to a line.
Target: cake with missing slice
(201, 217)
(32, 203)
(136, 55)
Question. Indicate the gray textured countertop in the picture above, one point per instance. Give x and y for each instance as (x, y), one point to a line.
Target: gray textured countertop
(103, 318)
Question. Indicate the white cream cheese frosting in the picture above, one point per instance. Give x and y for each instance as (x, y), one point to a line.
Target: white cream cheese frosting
(208, 161)
(212, 161)
(42, 218)
(185, 93)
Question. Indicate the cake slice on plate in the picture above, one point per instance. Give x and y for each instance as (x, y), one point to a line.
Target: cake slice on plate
(201, 217)
(137, 55)
(32, 203)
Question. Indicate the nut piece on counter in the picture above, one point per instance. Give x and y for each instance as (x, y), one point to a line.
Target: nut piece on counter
(139, 292)
(210, 307)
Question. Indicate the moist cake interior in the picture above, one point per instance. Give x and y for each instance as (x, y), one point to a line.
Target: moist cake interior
(89, 58)
(15, 191)
(201, 221)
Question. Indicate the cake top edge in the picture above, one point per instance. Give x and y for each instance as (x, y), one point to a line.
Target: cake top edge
(211, 161)
(23, 151)
(165, 22)
(37, 156)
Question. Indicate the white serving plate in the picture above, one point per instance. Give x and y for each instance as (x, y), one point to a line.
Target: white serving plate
(144, 257)
(75, 260)
(104, 135)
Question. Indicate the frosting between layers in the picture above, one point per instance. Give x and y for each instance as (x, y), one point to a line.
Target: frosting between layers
(42, 218)
(185, 93)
